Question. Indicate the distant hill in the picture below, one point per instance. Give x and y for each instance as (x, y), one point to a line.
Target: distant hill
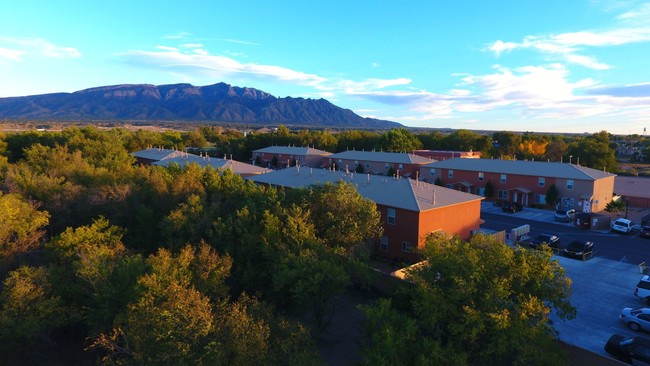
(219, 102)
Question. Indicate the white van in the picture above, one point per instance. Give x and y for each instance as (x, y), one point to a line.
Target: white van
(622, 225)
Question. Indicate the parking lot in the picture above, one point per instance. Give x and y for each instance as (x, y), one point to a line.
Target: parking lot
(601, 286)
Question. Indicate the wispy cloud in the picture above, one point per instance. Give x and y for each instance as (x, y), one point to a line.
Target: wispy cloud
(569, 47)
(238, 41)
(216, 66)
(179, 35)
(10, 54)
(24, 47)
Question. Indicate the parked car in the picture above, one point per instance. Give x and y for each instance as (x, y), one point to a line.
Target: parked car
(627, 349)
(580, 249)
(642, 290)
(553, 241)
(645, 232)
(622, 225)
(636, 319)
(565, 214)
(511, 207)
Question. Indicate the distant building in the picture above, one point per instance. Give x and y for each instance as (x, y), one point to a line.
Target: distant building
(284, 156)
(635, 191)
(410, 210)
(151, 155)
(526, 182)
(165, 157)
(445, 154)
(243, 169)
(377, 163)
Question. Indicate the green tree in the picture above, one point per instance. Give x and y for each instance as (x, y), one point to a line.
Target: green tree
(400, 140)
(343, 217)
(481, 301)
(489, 189)
(552, 195)
(594, 151)
(22, 227)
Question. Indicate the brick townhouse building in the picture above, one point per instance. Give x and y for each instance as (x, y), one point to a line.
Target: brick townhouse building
(410, 210)
(377, 162)
(525, 182)
(284, 156)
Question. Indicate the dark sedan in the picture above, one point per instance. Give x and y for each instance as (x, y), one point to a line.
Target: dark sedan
(627, 349)
(579, 249)
(553, 241)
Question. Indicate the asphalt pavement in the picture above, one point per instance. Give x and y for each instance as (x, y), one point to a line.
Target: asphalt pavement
(600, 289)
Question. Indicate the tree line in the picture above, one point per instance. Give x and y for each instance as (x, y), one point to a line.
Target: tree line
(103, 261)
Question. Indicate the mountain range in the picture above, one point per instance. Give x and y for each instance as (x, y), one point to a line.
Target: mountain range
(220, 102)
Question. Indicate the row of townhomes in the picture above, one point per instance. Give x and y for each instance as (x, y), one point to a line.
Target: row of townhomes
(402, 186)
(410, 209)
(526, 182)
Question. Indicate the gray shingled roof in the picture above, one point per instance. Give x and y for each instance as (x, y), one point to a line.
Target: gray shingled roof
(157, 154)
(380, 156)
(402, 193)
(236, 166)
(522, 167)
(291, 150)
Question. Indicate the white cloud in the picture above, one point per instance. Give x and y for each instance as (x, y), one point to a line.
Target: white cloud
(37, 47)
(14, 55)
(167, 48)
(217, 66)
(192, 45)
(569, 47)
(179, 35)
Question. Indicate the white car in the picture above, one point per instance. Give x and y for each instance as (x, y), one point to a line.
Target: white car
(636, 319)
(622, 225)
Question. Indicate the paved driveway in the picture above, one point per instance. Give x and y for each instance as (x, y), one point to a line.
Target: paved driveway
(600, 289)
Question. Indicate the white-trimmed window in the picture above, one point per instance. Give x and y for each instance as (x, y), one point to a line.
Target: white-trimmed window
(569, 184)
(540, 198)
(504, 178)
(390, 216)
(401, 167)
(450, 173)
(432, 171)
(480, 176)
(503, 194)
(406, 246)
(383, 244)
(541, 181)
(480, 191)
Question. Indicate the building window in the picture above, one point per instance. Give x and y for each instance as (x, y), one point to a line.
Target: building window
(383, 244)
(400, 167)
(386, 166)
(432, 171)
(450, 186)
(503, 194)
(450, 173)
(569, 184)
(540, 199)
(480, 191)
(541, 181)
(356, 163)
(503, 178)
(391, 216)
(367, 164)
(480, 176)
(406, 246)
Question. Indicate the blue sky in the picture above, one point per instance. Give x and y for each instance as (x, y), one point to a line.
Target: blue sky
(541, 66)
